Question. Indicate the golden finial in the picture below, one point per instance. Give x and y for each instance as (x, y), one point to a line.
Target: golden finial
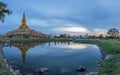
(24, 19)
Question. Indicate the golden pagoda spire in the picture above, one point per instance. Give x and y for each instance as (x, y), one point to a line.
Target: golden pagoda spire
(24, 19)
(24, 25)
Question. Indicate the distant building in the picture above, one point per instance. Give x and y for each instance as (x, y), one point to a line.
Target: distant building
(25, 31)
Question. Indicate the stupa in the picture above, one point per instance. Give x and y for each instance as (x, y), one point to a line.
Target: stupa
(25, 31)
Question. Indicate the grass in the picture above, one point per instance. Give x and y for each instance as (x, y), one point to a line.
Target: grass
(110, 46)
(110, 66)
(3, 68)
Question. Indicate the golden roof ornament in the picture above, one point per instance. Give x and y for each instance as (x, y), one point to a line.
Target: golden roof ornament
(24, 19)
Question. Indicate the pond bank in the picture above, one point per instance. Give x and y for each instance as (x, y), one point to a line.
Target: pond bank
(104, 55)
(111, 64)
(111, 49)
(5, 68)
(90, 52)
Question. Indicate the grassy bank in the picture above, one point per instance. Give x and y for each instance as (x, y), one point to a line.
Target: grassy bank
(110, 66)
(3, 69)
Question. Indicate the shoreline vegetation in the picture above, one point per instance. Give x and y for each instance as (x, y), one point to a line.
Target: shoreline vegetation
(109, 66)
(111, 52)
(3, 66)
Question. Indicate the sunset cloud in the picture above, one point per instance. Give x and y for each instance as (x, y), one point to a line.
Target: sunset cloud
(99, 31)
(72, 29)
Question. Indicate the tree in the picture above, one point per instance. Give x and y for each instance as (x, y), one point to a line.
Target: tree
(3, 11)
(100, 36)
(113, 32)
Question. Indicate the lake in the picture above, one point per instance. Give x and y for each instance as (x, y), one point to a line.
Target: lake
(63, 58)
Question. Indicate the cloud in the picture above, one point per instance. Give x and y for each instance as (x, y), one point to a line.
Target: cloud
(72, 29)
(73, 46)
(99, 31)
(76, 29)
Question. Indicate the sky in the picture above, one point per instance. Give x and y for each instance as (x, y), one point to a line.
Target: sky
(64, 16)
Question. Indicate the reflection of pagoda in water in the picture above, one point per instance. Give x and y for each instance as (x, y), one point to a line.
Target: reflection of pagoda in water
(25, 31)
(24, 47)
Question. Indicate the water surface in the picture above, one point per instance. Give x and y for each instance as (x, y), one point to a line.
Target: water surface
(63, 58)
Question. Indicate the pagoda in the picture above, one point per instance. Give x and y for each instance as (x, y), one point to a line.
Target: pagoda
(25, 31)
(24, 26)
